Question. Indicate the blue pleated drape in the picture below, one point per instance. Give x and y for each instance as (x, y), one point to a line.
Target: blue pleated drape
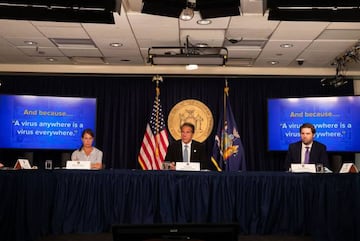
(124, 104)
(37, 203)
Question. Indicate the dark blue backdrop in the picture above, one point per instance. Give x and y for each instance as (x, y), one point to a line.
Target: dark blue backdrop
(125, 102)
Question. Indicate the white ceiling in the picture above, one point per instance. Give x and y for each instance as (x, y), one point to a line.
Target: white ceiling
(258, 43)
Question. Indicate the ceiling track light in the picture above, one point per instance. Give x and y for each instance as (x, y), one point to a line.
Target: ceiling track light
(188, 12)
(351, 55)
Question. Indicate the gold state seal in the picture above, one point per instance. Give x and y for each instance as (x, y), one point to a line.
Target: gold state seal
(192, 111)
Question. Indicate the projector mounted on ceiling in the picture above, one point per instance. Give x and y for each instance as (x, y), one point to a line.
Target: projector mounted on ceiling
(188, 54)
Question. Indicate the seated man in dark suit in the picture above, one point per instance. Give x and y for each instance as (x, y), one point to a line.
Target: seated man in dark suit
(307, 151)
(195, 150)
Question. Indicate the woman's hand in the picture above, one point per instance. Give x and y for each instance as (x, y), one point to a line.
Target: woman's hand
(96, 166)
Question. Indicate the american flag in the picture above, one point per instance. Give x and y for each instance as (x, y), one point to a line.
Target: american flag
(154, 145)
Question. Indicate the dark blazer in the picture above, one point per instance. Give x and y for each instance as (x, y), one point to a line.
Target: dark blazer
(317, 154)
(197, 153)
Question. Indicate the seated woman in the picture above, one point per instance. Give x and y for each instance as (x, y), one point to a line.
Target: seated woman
(87, 152)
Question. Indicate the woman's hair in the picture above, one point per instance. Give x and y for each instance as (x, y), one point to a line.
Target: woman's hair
(89, 132)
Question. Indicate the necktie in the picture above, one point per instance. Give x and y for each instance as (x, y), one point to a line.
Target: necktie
(307, 155)
(186, 154)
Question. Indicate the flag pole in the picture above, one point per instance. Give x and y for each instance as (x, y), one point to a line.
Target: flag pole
(157, 79)
(223, 138)
(226, 93)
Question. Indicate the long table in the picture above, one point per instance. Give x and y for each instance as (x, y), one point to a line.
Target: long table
(35, 203)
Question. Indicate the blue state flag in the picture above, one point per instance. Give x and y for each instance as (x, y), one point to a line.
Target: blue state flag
(228, 152)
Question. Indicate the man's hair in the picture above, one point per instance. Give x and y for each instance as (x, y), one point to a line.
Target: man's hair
(308, 125)
(188, 125)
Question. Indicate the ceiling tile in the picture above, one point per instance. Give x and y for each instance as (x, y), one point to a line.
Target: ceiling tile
(63, 32)
(298, 30)
(40, 51)
(335, 34)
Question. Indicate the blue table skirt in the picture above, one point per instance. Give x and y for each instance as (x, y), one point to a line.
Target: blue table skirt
(35, 203)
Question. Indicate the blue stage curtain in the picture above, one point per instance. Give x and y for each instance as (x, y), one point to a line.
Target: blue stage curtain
(125, 103)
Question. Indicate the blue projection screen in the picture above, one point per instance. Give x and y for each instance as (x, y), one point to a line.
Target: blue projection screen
(44, 122)
(336, 119)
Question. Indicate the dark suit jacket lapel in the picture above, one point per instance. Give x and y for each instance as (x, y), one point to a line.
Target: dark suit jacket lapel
(298, 151)
(180, 151)
(193, 154)
(312, 153)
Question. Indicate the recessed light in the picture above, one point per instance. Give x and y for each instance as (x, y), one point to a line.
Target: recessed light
(116, 45)
(203, 22)
(273, 62)
(51, 59)
(286, 45)
(201, 45)
(191, 67)
(29, 42)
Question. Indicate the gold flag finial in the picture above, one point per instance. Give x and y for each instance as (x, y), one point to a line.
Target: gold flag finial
(157, 78)
(226, 88)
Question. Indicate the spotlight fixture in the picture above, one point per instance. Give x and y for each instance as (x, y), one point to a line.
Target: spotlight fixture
(351, 55)
(336, 81)
(188, 13)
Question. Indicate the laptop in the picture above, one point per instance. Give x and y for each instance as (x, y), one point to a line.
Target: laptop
(79, 165)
